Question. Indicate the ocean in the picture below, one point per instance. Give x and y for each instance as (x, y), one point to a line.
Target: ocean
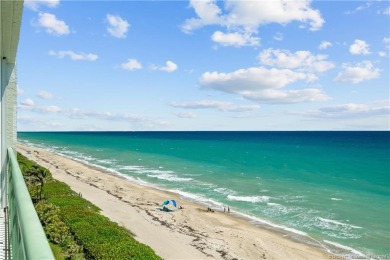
(327, 189)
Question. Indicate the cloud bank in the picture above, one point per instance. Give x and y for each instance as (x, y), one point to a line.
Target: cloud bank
(242, 19)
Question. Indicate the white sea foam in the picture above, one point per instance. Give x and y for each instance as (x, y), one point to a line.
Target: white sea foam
(144, 183)
(143, 170)
(257, 220)
(252, 219)
(127, 177)
(131, 167)
(198, 198)
(169, 177)
(292, 198)
(338, 223)
(335, 199)
(106, 161)
(347, 248)
(155, 173)
(276, 209)
(75, 156)
(224, 191)
(206, 184)
(252, 199)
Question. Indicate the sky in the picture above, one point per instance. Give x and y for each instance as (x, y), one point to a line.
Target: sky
(204, 65)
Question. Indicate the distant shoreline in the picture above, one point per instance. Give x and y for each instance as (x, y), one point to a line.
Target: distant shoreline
(195, 232)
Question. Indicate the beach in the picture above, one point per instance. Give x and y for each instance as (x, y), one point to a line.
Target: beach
(188, 233)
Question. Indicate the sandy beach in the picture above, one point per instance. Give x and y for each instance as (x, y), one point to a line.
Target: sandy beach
(188, 233)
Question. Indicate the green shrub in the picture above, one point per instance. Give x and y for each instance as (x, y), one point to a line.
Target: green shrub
(75, 223)
(100, 237)
(56, 230)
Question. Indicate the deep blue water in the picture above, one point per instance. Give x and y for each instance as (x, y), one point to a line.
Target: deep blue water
(329, 189)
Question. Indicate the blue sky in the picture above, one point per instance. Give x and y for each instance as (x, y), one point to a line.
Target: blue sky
(204, 65)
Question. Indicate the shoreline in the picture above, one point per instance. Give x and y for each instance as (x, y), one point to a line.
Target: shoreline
(189, 233)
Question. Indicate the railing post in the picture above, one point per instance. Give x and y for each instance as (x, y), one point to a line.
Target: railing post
(28, 240)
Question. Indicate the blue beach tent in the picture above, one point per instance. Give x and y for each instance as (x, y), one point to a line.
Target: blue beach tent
(173, 202)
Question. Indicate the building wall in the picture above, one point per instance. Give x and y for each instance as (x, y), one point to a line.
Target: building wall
(10, 22)
(10, 93)
(8, 119)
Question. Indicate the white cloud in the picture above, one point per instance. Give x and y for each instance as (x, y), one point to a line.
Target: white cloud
(386, 40)
(38, 124)
(250, 79)
(208, 13)
(278, 36)
(52, 24)
(170, 66)
(131, 64)
(51, 109)
(385, 53)
(19, 91)
(41, 109)
(212, 104)
(235, 39)
(55, 124)
(350, 110)
(117, 26)
(204, 104)
(245, 17)
(251, 14)
(263, 85)
(36, 4)
(186, 114)
(76, 113)
(301, 60)
(359, 48)
(360, 72)
(324, 45)
(45, 95)
(137, 121)
(242, 116)
(28, 102)
(386, 11)
(287, 96)
(359, 8)
(73, 55)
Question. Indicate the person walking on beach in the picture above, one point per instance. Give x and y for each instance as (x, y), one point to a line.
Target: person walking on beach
(228, 209)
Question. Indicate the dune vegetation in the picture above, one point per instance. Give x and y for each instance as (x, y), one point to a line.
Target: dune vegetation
(74, 227)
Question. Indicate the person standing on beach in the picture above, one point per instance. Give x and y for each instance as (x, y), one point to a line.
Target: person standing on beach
(228, 209)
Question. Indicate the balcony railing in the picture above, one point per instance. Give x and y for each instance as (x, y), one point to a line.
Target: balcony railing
(27, 239)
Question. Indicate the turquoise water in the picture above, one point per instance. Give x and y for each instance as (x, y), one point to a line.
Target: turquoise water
(328, 189)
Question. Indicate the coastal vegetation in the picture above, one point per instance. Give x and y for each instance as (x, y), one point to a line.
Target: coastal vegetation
(74, 227)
